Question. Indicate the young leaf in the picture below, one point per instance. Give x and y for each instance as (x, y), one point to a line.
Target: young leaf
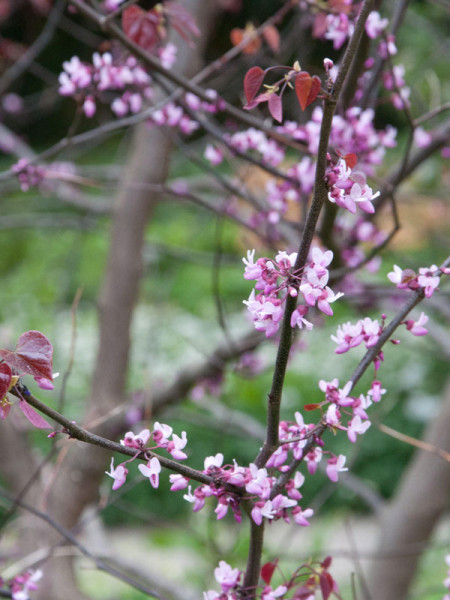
(311, 406)
(272, 37)
(142, 27)
(326, 585)
(307, 88)
(267, 571)
(5, 379)
(252, 82)
(35, 418)
(350, 160)
(276, 107)
(33, 355)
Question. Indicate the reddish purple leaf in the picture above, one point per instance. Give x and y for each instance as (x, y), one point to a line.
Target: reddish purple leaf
(276, 107)
(5, 379)
(252, 82)
(267, 571)
(34, 417)
(326, 585)
(306, 88)
(326, 563)
(142, 27)
(33, 355)
(311, 406)
(350, 160)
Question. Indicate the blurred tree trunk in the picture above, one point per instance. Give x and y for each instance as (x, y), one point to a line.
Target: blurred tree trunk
(409, 521)
(82, 467)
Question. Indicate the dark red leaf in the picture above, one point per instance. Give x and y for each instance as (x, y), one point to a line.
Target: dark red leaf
(5, 379)
(307, 88)
(326, 562)
(252, 82)
(267, 571)
(33, 355)
(326, 585)
(350, 160)
(34, 417)
(276, 107)
(143, 27)
(311, 406)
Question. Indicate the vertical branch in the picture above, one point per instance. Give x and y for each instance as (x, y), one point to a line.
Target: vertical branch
(286, 336)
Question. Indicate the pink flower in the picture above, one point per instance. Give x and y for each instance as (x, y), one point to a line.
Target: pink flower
(301, 516)
(138, 441)
(357, 427)
(335, 465)
(375, 24)
(226, 577)
(417, 327)
(119, 474)
(151, 470)
(213, 155)
(178, 482)
(175, 446)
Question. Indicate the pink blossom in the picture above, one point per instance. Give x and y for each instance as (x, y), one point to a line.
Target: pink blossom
(335, 465)
(422, 138)
(138, 441)
(119, 474)
(213, 155)
(428, 280)
(151, 470)
(176, 446)
(375, 24)
(178, 482)
(262, 510)
(226, 577)
(417, 327)
(356, 427)
(301, 516)
(270, 594)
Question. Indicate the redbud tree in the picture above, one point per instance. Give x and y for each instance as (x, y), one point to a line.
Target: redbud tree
(317, 225)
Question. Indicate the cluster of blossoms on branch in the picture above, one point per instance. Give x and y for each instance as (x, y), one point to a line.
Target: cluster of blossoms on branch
(123, 83)
(22, 584)
(163, 437)
(305, 581)
(276, 280)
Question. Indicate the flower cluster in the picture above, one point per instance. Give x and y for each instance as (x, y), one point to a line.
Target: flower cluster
(353, 132)
(338, 26)
(231, 482)
(352, 234)
(349, 188)
(276, 280)
(163, 437)
(306, 580)
(351, 335)
(426, 278)
(28, 175)
(339, 402)
(123, 83)
(24, 583)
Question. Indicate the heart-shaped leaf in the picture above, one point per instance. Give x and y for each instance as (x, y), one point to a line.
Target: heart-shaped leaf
(267, 571)
(142, 27)
(350, 159)
(35, 418)
(5, 379)
(252, 82)
(326, 585)
(276, 107)
(307, 88)
(33, 355)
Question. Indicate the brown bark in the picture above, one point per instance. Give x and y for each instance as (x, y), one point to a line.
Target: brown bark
(412, 515)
